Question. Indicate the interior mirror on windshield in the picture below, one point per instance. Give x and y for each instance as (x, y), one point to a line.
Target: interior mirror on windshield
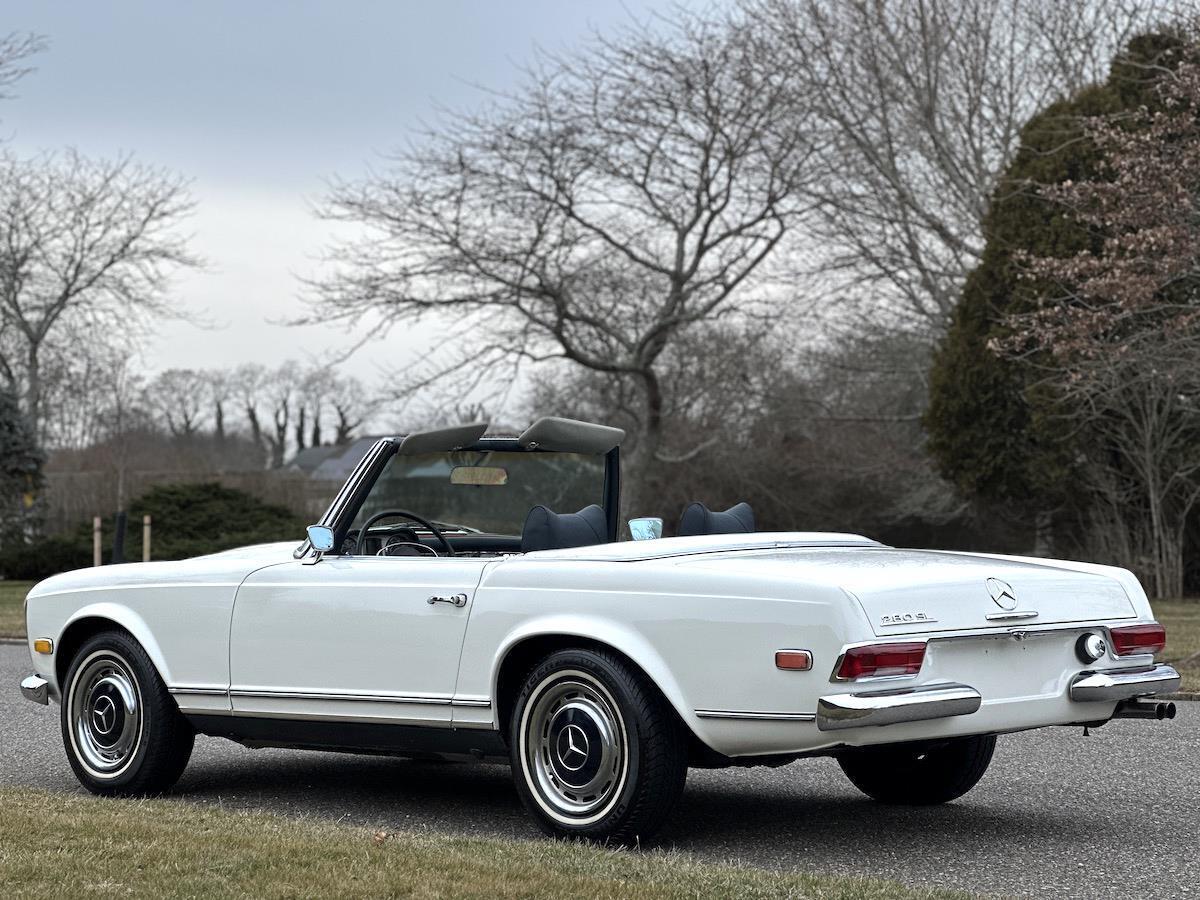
(479, 475)
(321, 538)
(646, 529)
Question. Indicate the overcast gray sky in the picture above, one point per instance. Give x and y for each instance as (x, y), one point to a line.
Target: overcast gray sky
(258, 103)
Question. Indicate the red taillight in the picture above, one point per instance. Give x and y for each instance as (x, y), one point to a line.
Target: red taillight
(882, 659)
(1130, 639)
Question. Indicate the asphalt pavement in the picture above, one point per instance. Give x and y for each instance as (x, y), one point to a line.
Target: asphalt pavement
(1115, 814)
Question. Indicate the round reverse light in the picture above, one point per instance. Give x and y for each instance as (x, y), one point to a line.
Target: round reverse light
(1090, 647)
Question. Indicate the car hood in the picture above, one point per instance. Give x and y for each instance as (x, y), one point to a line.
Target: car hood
(226, 567)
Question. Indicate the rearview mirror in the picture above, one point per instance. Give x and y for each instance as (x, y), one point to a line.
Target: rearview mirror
(646, 529)
(479, 475)
(321, 538)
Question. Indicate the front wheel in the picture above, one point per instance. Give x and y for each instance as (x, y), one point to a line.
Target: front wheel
(919, 774)
(121, 729)
(597, 752)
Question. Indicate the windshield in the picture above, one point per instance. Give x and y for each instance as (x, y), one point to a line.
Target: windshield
(484, 490)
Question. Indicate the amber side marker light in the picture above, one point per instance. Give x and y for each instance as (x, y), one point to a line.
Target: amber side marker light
(796, 660)
(1128, 640)
(43, 645)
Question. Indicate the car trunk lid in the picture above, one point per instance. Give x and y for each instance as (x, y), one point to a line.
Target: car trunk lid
(910, 592)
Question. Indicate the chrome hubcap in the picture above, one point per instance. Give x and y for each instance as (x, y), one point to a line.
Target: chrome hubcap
(574, 747)
(105, 714)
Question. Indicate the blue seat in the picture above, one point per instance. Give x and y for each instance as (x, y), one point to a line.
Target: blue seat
(545, 529)
(699, 519)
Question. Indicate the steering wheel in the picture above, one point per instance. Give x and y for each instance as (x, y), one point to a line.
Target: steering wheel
(404, 514)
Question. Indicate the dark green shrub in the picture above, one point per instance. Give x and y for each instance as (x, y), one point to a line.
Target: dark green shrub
(188, 520)
(43, 558)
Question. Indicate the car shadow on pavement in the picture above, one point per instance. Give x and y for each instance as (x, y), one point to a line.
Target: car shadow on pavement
(765, 816)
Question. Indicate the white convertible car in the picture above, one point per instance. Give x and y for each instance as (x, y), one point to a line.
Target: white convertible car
(452, 602)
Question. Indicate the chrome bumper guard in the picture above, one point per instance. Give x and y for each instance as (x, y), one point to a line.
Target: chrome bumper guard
(36, 688)
(915, 704)
(1123, 684)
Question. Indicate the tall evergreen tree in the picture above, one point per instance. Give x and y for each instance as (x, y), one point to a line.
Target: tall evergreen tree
(20, 472)
(992, 430)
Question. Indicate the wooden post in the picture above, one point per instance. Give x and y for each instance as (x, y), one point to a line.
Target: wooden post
(145, 539)
(97, 527)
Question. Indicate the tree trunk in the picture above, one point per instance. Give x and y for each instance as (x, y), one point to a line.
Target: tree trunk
(33, 390)
(1043, 533)
(256, 431)
(639, 468)
(301, 430)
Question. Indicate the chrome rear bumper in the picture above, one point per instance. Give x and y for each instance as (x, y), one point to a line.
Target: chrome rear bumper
(36, 688)
(914, 704)
(1123, 684)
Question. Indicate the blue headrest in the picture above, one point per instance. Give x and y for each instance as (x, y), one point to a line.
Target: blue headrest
(699, 519)
(548, 530)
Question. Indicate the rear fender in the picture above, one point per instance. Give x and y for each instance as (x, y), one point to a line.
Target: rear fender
(595, 629)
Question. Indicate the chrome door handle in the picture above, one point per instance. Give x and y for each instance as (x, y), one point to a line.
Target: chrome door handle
(455, 600)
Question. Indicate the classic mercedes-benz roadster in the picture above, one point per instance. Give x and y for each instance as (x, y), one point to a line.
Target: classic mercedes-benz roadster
(468, 596)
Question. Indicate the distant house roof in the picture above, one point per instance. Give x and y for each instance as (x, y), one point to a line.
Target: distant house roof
(331, 462)
(307, 460)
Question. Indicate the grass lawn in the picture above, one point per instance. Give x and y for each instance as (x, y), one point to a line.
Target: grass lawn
(12, 612)
(1182, 619)
(60, 845)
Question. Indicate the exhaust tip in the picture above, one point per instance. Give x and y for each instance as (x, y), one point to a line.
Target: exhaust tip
(1168, 710)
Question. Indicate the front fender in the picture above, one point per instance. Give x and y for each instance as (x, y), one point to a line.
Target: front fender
(128, 619)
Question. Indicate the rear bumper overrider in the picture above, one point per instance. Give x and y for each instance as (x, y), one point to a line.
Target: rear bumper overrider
(911, 704)
(1123, 684)
(36, 688)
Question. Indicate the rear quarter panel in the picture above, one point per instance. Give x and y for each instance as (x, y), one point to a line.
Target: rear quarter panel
(708, 639)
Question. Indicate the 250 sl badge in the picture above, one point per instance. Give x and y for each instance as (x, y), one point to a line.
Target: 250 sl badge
(906, 618)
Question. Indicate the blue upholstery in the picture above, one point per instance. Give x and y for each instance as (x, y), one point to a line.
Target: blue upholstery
(548, 530)
(699, 519)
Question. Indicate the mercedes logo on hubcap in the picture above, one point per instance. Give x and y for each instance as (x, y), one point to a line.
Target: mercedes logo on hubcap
(572, 748)
(1002, 593)
(104, 715)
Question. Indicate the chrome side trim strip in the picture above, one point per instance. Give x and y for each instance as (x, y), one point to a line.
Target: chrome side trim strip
(750, 714)
(916, 704)
(36, 689)
(477, 704)
(197, 689)
(333, 695)
(1123, 684)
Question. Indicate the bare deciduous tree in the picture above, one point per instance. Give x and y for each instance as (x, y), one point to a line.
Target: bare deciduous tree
(924, 101)
(623, 195)
(86, 242)
(16, 50)
(180, 398)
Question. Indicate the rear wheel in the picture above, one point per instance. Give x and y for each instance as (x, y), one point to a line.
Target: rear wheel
(121, 728)
(919, 774)
(597, 752)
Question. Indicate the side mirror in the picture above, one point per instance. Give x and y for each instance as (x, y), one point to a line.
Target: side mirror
(321, 538)
(646, 529)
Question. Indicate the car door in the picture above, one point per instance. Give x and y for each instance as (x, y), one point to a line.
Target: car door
(355, 638)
